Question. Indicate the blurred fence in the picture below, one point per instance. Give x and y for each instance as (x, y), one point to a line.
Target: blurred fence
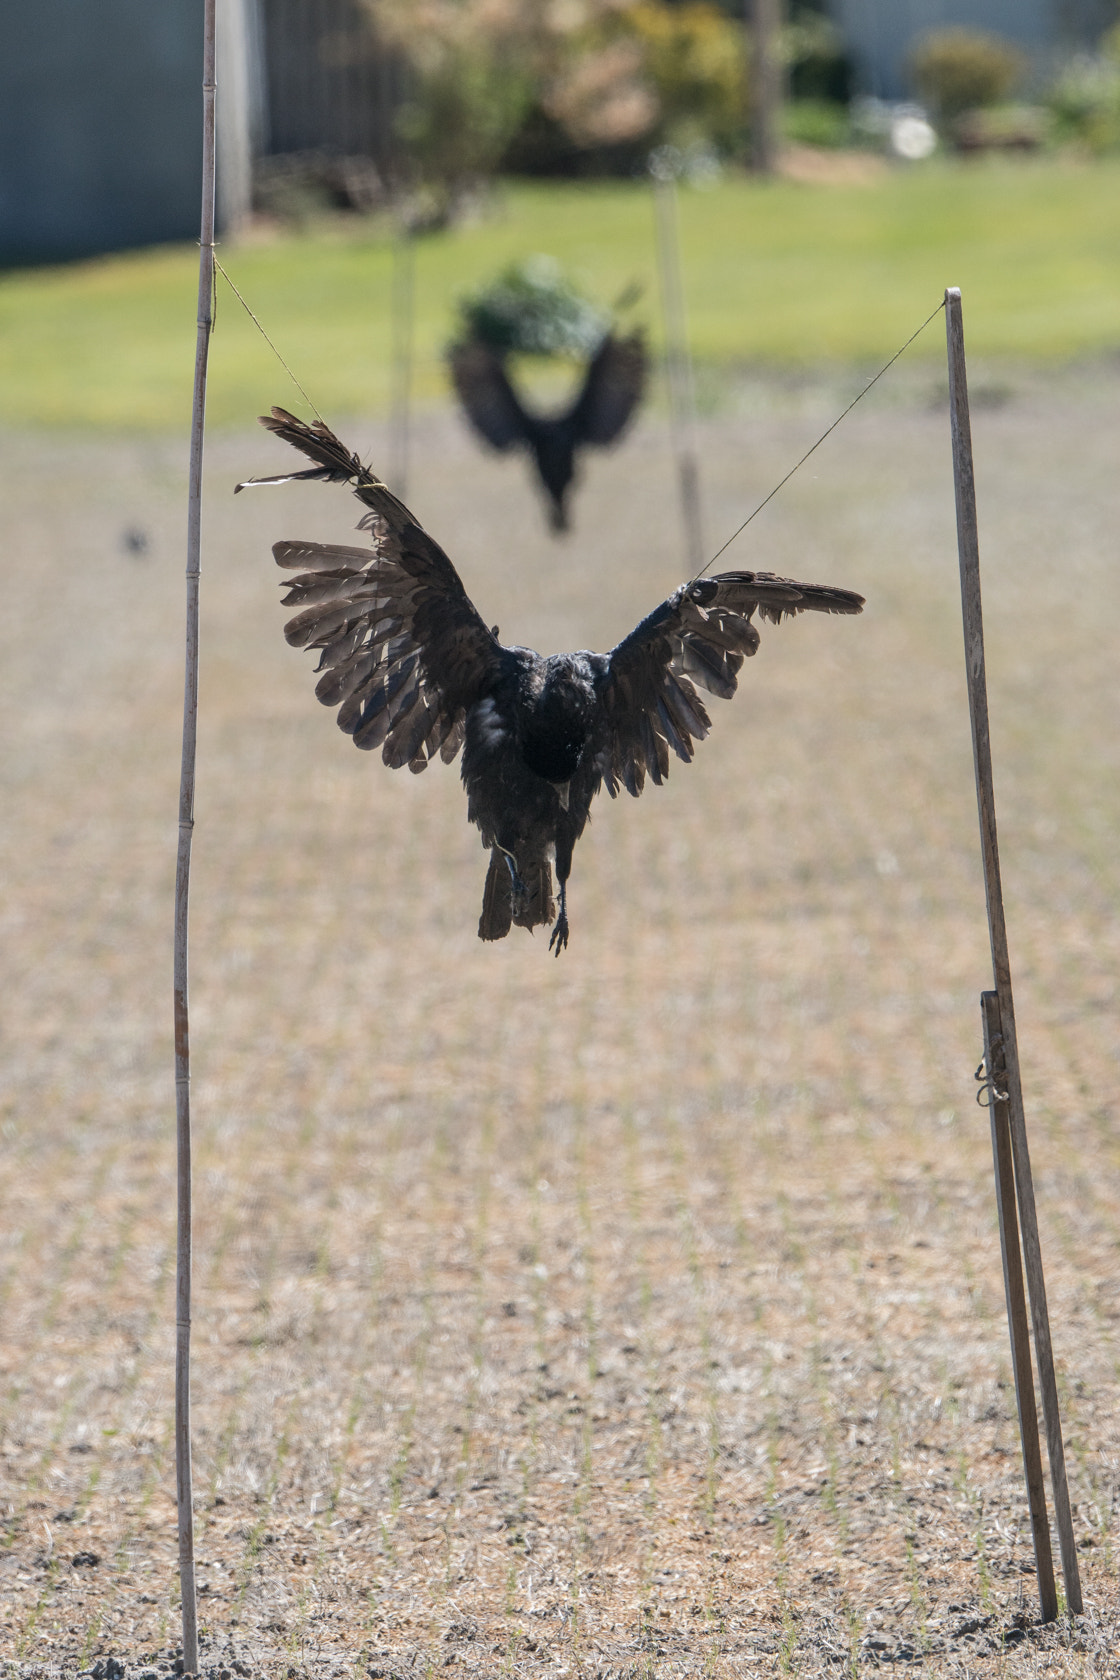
(332, 85)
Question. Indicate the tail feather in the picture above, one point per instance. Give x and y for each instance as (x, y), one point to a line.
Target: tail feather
(497, 899)
(537, 907)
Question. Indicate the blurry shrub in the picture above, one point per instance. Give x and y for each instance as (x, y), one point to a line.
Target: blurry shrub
(573, 87)
(470, 83)
(816, 122)
(694, 62)
(1084, 102)
(600, 96)
(957, 70)
(1002, 128)
(631, 77)
(533, 309)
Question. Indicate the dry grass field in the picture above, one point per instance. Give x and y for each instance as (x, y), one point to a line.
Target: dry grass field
(637, 1313)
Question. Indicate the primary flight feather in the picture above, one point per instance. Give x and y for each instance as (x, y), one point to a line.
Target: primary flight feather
(414, 670)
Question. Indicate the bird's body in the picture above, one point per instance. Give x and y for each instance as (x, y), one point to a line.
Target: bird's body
(530, 780)
(415, 671)
(603, 407)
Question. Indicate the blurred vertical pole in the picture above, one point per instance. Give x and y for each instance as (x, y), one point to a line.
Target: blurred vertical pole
(763, 24)
(403, 314)
(968, 550)
(678, 362)
(234, 116)
(183, 1479)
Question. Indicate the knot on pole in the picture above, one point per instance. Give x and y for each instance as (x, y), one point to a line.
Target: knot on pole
(991, 1083)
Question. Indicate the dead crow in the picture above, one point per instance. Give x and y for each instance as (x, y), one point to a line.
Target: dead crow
(610, 392)
(414, 670)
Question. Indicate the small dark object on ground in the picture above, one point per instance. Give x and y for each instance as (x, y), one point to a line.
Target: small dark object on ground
(134, 541)
(604, 406)
(414, 670)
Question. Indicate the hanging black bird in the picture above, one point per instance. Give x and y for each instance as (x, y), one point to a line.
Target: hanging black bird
(415, 671)
(611, 390)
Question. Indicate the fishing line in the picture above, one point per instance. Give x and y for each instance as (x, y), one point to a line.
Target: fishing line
(737, 533)
(269, 342)
(819, 441)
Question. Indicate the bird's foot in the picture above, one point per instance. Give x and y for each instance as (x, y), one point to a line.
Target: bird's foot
(559, 937)
(518, 889)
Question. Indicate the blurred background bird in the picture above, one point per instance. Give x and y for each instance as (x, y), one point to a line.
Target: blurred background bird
(603, 408)
(532, 309)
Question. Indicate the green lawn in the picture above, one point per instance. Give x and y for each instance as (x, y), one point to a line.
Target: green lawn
(780, 274)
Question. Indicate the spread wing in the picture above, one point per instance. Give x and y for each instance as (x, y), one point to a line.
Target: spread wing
(403, 653)
(615, 383)
(697, 639)
(486, 394)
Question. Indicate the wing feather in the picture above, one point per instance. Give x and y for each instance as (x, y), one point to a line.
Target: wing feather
(699, 637)
(402, 651)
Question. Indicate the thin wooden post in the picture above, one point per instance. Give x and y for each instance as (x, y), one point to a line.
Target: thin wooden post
(1015, 1297)
(183, 1478)
(678, 362)
(403, 314)
(968, 549)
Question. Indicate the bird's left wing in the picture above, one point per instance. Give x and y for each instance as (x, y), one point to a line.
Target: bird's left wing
(696, 639)
(404, 654)
(613, 388)
(488, 398)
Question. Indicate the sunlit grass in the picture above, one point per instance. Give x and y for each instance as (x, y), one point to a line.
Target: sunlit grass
(779, 274)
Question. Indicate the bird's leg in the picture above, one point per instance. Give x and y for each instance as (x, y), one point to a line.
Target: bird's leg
(560, 932)
(516, 883)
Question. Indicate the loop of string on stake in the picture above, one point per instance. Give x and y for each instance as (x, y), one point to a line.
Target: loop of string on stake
(988, 1091)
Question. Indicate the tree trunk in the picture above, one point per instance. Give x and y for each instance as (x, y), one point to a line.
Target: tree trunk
(763, 22)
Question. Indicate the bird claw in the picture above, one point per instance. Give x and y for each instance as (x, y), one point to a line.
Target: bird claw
(559, 937)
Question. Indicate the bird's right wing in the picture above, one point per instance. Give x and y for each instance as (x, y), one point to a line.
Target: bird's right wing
(698, 638)
(486, 394)
(404, 654)
(616, 380)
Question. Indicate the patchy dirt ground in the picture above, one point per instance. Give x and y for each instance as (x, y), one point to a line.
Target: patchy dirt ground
(634, 1314)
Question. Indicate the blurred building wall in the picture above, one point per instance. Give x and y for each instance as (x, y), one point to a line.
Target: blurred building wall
(881, 33)
(101, 123)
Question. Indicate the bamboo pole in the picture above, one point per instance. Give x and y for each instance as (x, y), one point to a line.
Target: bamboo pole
(1015, 1298)
(678, 362)
(968, 549)
(183, 1480)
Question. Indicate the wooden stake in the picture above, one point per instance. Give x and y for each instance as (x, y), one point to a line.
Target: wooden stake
(1016, 1301)
(183, 1480)
(678, 362)
(968, 549)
